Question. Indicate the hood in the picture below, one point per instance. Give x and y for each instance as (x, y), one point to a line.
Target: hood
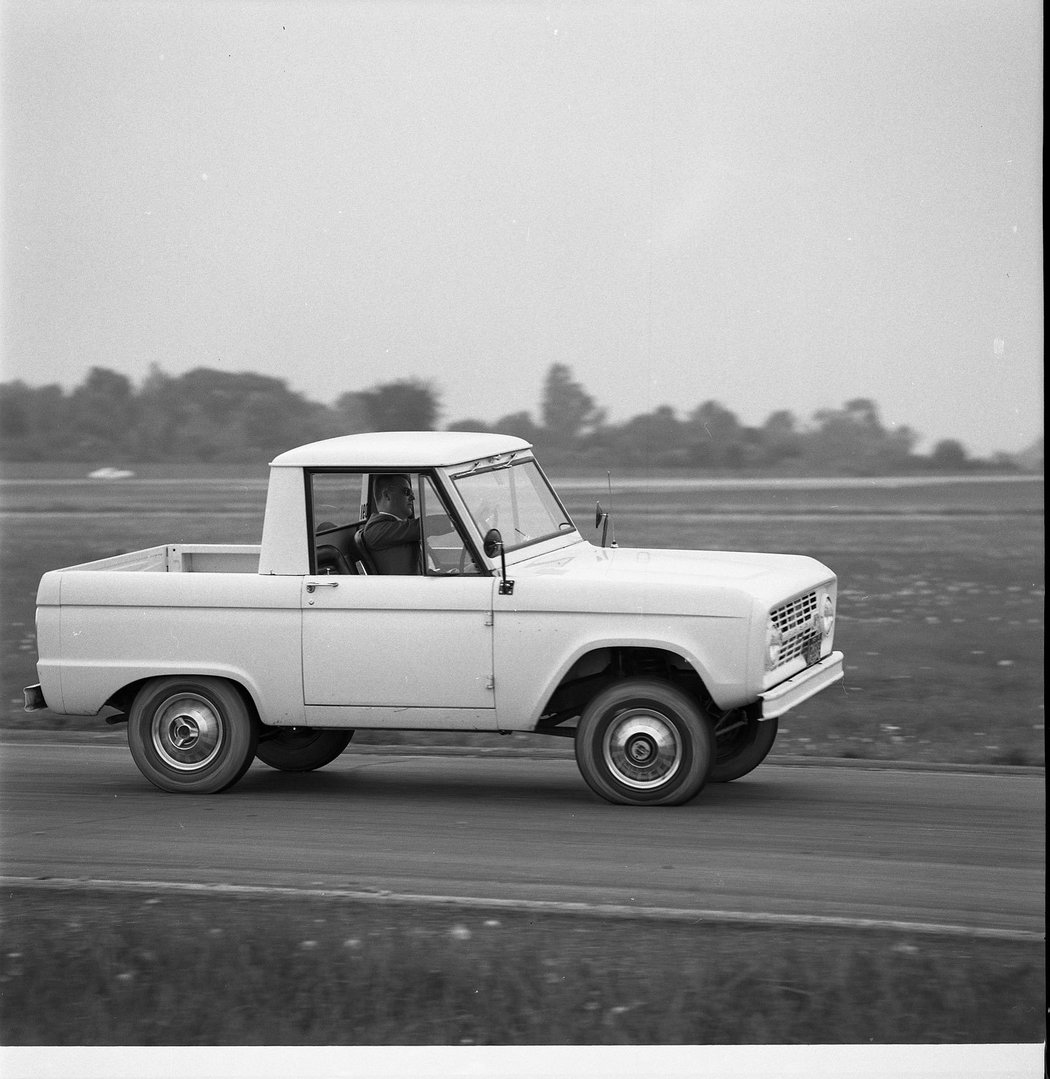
(760, 574)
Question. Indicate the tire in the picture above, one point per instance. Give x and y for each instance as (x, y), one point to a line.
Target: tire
(300, 749)
(742, 748)
(643, 742)
(191, 735)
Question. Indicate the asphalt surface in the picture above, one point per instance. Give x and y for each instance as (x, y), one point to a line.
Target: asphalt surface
(903, 847)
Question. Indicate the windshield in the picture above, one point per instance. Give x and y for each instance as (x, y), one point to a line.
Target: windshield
(517, 500)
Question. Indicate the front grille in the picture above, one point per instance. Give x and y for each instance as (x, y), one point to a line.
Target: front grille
(797, 623)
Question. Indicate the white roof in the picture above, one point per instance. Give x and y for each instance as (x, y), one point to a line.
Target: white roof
(400, 449)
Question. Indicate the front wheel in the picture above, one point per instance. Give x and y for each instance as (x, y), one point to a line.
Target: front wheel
(741, 745)
(191, 735)
(300, 749)
(643, 742)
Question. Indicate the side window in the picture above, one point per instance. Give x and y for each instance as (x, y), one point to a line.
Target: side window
(335, 500)
(445, 550)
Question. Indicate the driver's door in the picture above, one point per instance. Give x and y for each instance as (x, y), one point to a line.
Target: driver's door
(391, 650)
(387, 644)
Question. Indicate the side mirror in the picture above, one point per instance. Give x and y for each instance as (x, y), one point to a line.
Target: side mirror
(601, 520)
(493, 545)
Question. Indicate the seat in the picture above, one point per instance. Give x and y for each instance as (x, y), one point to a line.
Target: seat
(329, 559)
(360, 553)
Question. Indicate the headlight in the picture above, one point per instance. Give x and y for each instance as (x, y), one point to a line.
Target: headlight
(774, 639)
(827, 616)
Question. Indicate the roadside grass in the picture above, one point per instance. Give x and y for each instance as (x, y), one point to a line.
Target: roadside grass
(940, 616)
(145, 969)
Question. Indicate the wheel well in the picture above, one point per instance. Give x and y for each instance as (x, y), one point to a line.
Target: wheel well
(124, 697)
(594, 671)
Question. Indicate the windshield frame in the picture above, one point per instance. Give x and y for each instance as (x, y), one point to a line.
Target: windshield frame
(565, 528)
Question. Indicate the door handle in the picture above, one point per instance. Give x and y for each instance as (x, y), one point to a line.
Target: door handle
(312, 586)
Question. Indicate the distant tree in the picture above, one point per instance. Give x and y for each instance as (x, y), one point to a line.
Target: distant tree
(520, 425)
(714, 436)
(34, 422)
(780, 439)
(853, 440)
(1004, 462)
(52, 426)
(275, 420)
(569, 412)
(863, 411)
(901, 444)
(1030, 459)
(949, 455)
(654, 439)
(351, 413)
(211, 415)
(15, 409)
(102, 410)
(405, 405)
(220, 394)
(160, 411)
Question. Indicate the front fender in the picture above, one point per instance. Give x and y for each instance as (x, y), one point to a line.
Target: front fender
(534, 653)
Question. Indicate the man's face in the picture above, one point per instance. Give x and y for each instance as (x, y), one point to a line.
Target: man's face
(399, 500)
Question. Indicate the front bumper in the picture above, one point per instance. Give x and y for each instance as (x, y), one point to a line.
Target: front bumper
(34, 698)
(783, 697)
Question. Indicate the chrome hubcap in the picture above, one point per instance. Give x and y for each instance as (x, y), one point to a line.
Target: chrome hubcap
(642, 748)
(187, 732)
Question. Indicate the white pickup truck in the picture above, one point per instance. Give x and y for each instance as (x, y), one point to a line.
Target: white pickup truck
(668, 668)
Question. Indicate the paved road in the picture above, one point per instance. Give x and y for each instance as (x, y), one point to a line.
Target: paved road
(903, 846)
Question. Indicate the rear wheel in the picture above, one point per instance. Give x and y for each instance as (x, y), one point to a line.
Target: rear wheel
(300, 749)
(643, 742)
(192, 735)
(741, 745)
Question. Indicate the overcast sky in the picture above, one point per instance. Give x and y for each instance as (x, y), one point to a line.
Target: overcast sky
(769, 204)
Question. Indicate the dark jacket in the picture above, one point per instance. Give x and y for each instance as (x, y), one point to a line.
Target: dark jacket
(393, 544)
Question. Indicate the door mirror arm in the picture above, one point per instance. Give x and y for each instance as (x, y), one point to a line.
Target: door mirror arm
(493, 545)
(601, 520)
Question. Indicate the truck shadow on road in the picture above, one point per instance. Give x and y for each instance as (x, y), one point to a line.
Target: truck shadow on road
(479, 782)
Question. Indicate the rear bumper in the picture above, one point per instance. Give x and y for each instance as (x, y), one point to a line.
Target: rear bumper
(783, 697)
(34, 698)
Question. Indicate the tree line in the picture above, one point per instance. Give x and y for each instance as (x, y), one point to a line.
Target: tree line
(208, 415)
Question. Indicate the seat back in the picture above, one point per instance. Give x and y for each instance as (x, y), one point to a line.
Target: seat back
(360, 553)
(334, 550)
(329, 559)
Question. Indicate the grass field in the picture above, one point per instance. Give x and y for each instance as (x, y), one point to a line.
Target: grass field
(941, 587)
(156, 969)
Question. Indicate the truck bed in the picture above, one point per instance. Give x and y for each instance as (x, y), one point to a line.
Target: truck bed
(181, 558)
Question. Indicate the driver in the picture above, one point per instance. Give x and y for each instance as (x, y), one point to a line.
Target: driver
(393, 534)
